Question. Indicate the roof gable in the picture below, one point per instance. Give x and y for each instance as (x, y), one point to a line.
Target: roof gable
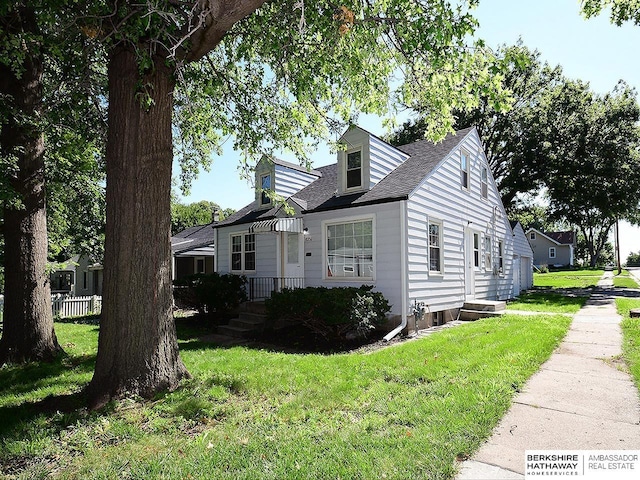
(424, 157)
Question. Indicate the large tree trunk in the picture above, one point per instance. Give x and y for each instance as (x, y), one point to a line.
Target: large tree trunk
(137, 348)
(28, 322)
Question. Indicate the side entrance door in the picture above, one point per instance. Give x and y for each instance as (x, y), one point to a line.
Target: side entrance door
(471, 259)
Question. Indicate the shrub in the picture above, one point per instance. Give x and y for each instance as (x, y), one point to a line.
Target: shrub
(211, 292)
(544, 268)
(334, 313)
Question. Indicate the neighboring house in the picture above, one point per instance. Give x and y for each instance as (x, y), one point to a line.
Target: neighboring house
(78, 276)
(422, 222)
(522, 260)
(193, 251)
(552, 248)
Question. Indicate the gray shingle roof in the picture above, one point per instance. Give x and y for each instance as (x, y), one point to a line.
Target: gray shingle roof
(321, 194)
(192, 237)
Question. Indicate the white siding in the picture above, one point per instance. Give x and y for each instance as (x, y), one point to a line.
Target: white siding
(441, 197)
(289, 181)
(383, 159)
(387, 250)
(266, 252)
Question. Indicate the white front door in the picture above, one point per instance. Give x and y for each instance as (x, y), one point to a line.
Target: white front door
(471, 259)
(293, 255)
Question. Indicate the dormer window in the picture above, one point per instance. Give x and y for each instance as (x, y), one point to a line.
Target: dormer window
(354, 169)
(265, 185)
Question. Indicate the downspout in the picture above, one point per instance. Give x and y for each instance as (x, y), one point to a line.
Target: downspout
(403, 272)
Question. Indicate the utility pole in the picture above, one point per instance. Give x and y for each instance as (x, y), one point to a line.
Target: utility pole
(617, 240)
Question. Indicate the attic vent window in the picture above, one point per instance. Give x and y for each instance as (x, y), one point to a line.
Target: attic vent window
(354, 169)
(484, 187)
(464, 169)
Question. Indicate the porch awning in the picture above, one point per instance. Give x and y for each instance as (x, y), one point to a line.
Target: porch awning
(293, 225)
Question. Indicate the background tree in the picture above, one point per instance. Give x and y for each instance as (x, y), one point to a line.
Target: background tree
(50, 98)
(196, 213)
(272, 75)
(594, 176)
(28, 323)
(633, 259)
(513, 137)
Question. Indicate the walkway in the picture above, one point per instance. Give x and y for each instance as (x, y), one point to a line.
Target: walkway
(580, 399)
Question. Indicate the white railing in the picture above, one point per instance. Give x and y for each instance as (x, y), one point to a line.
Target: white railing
(68, 306)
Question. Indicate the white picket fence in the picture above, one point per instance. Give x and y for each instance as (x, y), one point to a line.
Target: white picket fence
(68, 306)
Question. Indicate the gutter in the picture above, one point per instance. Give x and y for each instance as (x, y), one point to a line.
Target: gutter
(403, 272)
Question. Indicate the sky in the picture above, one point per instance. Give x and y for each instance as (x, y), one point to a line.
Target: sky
(591, 50)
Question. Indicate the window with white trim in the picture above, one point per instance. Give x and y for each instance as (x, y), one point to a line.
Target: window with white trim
(552, 252)
(265, 186)
(484, 185)
(354, 169)
(464, 169)
(532, 236)
(487, 253)
(500, 257)
(349, 249)
(243, 252)
(435, 247)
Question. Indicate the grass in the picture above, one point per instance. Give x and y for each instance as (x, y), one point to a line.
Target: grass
(631, 336)
(407, 411)
(624, 280)
(568, 279)
(547, 302)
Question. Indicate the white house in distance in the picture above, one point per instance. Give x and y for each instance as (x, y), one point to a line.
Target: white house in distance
(552, 248)
(193, 251)
(78, 276)
(422, 222)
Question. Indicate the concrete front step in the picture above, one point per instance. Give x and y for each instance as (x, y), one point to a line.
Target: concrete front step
(248, 324)
(485, 305)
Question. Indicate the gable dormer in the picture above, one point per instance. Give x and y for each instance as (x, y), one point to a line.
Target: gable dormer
(364, 161)
(283, 178)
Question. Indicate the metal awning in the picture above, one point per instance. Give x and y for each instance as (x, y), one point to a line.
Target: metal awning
(293, 225)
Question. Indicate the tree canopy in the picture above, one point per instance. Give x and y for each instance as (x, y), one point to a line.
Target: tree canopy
(620, 10)
(195, 213)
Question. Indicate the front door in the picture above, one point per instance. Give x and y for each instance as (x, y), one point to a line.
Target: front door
(471, 259)
(293, 259)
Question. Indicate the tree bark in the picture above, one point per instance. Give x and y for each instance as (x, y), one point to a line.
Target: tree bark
(28, 333)
(137, 348)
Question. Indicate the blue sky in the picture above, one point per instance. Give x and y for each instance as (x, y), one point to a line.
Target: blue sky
(590, 50)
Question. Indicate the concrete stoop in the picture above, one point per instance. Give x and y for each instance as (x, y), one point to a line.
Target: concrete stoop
(476, 309)
(250, 322)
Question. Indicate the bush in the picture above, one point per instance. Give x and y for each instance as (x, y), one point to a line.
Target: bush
(334, 313)
(544, 268)
(211, 292)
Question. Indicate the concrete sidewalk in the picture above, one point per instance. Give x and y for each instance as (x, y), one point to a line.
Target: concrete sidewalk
(580, 399)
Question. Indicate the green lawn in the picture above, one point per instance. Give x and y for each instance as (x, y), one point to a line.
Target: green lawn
(631, 336)
(406, 411)
(547, 302)
(568, 279)
(624, 280)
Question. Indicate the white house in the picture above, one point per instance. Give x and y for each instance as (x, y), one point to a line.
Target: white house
(78, 276)
(422, 222)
